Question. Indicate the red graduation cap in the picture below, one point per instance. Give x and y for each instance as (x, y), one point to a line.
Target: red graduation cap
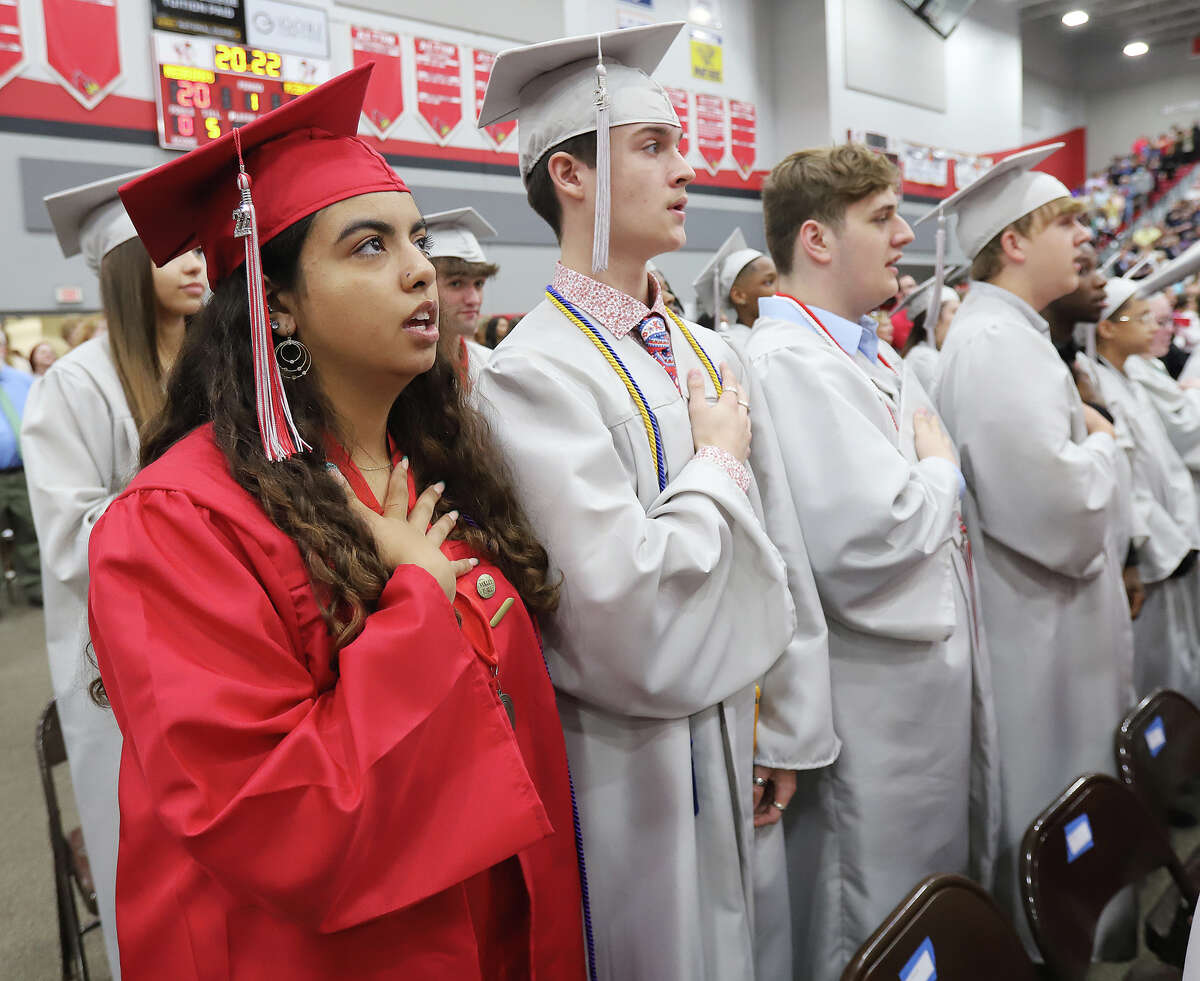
(245, 188)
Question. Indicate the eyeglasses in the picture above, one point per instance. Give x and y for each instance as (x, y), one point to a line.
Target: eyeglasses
(1145, 318)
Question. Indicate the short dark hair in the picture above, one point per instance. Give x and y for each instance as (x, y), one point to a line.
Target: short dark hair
(539, 188)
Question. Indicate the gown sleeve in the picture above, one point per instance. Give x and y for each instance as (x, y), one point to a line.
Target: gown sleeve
(328, 807)
(873, 521)
(67, 445)
(795, 720)
(667, 610)
(1008, 401)
(1178, 407)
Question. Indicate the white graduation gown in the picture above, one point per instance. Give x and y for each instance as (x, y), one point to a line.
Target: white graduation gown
(735, 333)
(1177, 407)
(80, 446)
(477, 357)
(1046, 512)
(674, 604)
(1164, 498)
(922, 361)
(915, 790)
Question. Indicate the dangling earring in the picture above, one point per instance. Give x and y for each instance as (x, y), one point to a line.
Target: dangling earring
(293, 358)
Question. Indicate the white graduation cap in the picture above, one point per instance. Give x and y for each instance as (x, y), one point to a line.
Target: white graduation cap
(1147, 260)
(918, 301)
(715, 281)
(456, 234)
(91, 219)
(1006, 193)
(1182, 266)
(558, 90)
(1117, 291)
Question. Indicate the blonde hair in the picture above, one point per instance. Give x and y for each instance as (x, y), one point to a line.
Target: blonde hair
(819, 185)
(989, 263)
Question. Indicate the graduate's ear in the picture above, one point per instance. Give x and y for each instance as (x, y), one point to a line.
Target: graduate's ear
(737, 296)
(1106, 330)
(565, 174)
(281, 304)
(1013, 244)
(814, 240)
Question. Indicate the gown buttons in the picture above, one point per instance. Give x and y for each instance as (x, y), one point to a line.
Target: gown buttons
(485, 585)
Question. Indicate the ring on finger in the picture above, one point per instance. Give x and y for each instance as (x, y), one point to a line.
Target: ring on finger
(744, 404)
(782, 807)
(733, 389)
(760, 781)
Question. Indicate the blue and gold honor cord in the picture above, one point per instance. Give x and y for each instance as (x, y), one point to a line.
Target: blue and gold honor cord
(649, 419)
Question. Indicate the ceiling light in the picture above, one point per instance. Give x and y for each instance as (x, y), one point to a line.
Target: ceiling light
(1135, 49)
(1075, 18)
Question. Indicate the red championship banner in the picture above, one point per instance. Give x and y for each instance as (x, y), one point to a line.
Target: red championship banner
(81, 47)
(497, 132)
(384, 103)
(710, 130)
(680, 101)
(439, 86)
(12, 51)
(743, 135)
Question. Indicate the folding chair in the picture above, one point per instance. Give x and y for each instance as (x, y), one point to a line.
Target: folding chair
(1157, 747)
(72, 873)
(1097, 838)
(947, 928)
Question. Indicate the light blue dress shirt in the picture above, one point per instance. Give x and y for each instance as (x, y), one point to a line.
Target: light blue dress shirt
(16, 385)
(850, 336)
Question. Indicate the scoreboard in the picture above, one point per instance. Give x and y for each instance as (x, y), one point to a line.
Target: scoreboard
(207, 86)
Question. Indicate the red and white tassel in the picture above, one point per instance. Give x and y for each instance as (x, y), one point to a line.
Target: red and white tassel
(280, 438)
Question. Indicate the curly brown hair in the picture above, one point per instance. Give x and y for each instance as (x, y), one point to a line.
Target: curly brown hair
(443, 435)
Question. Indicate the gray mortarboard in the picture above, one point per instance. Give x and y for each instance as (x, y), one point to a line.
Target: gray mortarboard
(1006, 193)
(715, 281)
(1117, 291)
(558, 90)
(456, 234)
(1148, 260)
(91, 219)
(918, 301)
(1182, 266)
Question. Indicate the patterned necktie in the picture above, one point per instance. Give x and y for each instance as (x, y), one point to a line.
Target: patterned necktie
(658, 343)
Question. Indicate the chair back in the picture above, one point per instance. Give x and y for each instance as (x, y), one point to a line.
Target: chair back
(68, 858)
(1158, 748)
(947, 928)
(1097, 838)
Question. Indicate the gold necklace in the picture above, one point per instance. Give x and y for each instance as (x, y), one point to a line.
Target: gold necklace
(362, 469)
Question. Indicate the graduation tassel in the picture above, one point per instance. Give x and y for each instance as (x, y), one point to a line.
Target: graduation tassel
(939, 278)
(603, 168)
(280, 438)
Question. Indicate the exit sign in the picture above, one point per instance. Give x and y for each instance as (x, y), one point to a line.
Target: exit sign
(68, 294)
(1196, 46)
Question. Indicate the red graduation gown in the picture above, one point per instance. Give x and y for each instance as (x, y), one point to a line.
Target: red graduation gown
(280, 822)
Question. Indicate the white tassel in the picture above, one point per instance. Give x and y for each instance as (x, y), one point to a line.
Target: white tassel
(603, 216)
(933, 311)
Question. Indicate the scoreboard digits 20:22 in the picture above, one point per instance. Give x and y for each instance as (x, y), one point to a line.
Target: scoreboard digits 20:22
(207, 87)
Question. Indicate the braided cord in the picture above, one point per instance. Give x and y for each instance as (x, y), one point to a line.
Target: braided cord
(649, 420)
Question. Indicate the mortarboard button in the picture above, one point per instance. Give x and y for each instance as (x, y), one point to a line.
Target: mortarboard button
(485, 585)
